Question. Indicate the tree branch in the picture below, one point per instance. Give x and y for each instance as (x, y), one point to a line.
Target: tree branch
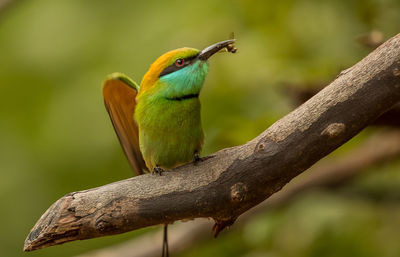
(377, 150)
(238, 178)
(390, 118)
(301, 93)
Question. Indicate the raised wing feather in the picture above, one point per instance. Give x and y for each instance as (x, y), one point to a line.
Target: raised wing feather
(119, 93)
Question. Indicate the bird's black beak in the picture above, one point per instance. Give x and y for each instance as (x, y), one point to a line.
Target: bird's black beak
(212, 49)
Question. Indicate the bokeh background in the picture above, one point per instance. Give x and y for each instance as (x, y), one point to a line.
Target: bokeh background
(55, 135)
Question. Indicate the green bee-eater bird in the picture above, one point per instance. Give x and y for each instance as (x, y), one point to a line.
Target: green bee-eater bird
(158, 124)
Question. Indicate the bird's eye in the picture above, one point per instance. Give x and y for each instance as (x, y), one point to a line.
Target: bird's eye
(179, 62)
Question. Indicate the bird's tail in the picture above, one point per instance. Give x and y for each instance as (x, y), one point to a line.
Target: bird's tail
(165, 252)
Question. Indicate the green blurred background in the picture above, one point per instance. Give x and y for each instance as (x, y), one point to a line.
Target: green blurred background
(57, 138)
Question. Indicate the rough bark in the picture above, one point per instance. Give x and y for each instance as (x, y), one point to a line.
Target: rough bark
(234, 179)
(377, 150)
(301, 93)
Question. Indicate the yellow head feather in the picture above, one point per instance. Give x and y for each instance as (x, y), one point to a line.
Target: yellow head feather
(165, 60)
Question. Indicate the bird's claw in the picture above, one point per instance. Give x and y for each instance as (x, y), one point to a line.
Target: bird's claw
(196, 158)
(157, 171)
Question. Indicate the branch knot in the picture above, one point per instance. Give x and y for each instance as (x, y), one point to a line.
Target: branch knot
(238, 192)
(334, 130)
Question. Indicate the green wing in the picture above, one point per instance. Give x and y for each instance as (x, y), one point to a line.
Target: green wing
(119, 93)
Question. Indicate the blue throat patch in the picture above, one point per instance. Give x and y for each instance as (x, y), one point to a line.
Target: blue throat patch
(185, 83)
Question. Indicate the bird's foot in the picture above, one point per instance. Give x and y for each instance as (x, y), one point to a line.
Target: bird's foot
(196, 158)
(157, 171)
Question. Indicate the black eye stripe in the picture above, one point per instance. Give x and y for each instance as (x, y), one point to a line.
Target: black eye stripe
(186, 61)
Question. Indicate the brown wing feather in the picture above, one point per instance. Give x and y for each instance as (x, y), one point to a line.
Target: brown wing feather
(119, 97)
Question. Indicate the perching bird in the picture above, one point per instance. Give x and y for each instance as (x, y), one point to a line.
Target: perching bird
(158, 124)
